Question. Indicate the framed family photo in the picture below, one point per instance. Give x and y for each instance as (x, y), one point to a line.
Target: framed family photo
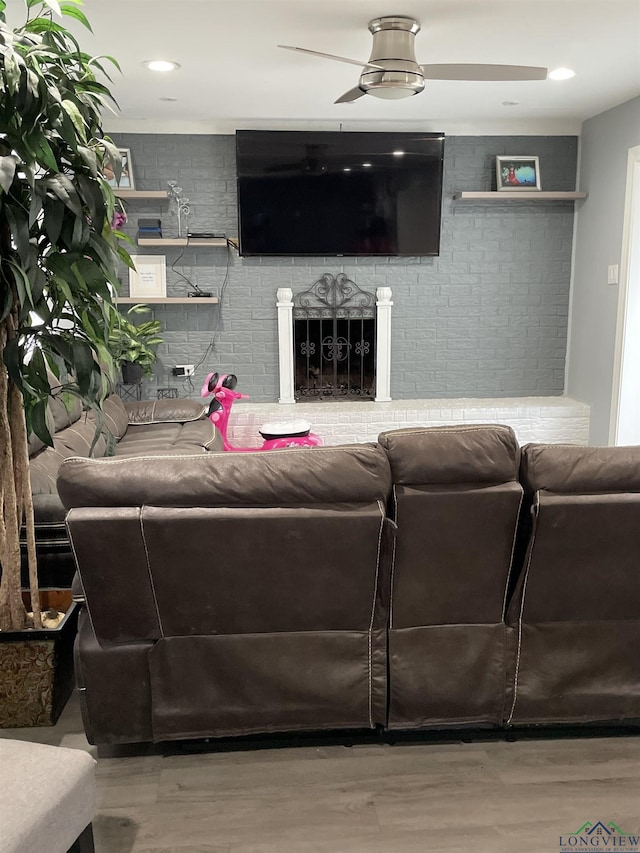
(126, 181)
(517, 173)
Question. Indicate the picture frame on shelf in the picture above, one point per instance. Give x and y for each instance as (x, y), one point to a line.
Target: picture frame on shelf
(515, 174)
(149, 278)
(126, 181)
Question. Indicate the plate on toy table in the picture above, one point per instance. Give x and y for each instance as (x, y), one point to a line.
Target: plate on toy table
(285, 429)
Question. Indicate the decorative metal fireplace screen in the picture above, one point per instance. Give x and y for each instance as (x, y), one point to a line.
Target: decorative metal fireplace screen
(334, 332)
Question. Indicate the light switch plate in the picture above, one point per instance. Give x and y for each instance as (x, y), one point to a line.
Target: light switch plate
(612, 274)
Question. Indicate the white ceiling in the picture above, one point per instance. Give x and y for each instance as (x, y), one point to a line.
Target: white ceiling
(234, 76)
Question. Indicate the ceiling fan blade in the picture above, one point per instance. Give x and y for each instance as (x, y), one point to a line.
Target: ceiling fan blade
(332, 56)
(467, 71)
(350, 96)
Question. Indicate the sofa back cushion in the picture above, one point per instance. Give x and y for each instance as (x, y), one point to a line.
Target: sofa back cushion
(569, 469)
(452, 455)
(75, 440)
(65, 408)
(283, 541)
(456, 504)
(287, 477)
(164, 411)
(583, 551)
(575, 613)
(115, 418)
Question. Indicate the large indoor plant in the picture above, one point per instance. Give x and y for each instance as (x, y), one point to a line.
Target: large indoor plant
(58, 259)
(135, 344)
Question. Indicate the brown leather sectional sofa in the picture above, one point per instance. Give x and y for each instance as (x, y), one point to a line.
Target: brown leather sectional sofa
(440, 578)
(128, 429)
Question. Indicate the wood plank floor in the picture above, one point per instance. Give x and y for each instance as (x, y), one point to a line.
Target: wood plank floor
(486, 796)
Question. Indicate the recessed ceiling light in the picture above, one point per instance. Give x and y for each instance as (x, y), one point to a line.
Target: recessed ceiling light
(398, 153)
(561, 74)
(161, 65)
(367, 165)
(347, 169)
(510, 103)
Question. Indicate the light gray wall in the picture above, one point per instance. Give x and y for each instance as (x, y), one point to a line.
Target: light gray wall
(486, 318)
(605, 142)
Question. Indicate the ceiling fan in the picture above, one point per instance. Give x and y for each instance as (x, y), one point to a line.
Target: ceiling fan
(392, 70)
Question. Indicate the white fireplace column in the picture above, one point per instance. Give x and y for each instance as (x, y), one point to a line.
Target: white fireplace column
(285, 344)
(286, 354)
(383, 345)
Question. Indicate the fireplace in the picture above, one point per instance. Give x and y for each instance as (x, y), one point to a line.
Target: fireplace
(334, 342)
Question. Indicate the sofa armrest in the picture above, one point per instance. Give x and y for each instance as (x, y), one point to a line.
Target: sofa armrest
(165, 411)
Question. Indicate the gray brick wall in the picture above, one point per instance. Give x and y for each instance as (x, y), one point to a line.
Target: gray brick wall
(487, 318)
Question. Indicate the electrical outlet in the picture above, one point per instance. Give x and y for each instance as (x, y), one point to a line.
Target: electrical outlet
(183, 370)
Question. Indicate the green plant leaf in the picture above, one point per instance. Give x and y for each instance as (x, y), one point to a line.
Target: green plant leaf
(53, 216)
(11, 71)
(13, 362)
(83, 363)
(90, 158)
(53, 4)
(6, 301)
(7, 171)
(64, 189)
(43, 152)
(72, 12)
(125, 257)
(19, 225)
(39, 25)
(76, 117)
(23, 284)
(95, 60)
(37, 421)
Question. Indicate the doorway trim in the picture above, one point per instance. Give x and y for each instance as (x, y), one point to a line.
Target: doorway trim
(627, 344)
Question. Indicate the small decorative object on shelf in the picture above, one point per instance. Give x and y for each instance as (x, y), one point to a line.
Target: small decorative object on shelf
(122, 177)
(178, 205)
(149, 277)
(517, 173)
(149, 229)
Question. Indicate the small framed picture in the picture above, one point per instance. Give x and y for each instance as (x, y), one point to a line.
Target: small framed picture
(517, 173)
(126, 177)
(149, 279)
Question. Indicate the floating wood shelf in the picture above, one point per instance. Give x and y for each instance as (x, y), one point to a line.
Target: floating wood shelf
(167, 300)
(518, 195)
(191, 242)
(141, 195)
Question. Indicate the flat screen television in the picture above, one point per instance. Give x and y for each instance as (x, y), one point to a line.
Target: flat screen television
(339, 193)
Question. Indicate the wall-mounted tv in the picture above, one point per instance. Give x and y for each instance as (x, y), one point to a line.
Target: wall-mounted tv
(339, 193)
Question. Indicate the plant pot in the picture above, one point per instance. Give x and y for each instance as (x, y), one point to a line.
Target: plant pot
(36, 667)
(131, 373)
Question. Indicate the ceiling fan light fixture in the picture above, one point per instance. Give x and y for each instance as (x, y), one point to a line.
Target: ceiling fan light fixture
(392, 84)
(391, 92)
